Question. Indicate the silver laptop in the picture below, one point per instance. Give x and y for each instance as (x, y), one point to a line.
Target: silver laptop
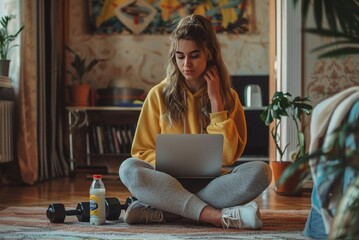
(189, 155)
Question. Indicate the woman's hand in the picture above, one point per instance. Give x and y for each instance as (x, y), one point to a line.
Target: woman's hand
(213, 88)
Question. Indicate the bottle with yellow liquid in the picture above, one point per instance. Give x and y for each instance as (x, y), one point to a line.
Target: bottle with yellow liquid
(97, 201)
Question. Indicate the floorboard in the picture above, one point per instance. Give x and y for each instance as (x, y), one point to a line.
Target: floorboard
(71, 190)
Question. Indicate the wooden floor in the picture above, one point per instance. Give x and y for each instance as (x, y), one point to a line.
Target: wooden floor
(71, 190)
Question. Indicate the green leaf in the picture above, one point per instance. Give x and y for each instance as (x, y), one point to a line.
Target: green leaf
(336, 11)
(92, 64)
(266, 116)
(6, 38)
(349, 23)
(305, 8)
(329, 33)
(70, 50)
(318, 13)
(333, 44)
(301, 142)
(330, 15)
(339, 52)
(79, 64)
(283, 106)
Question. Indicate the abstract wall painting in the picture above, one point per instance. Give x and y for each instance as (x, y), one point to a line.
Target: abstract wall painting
(159, 16)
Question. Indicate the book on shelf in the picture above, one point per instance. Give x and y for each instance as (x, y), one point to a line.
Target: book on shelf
(115, 140)
(129, 134)
(100, 139)
(119, 138)
(111, 139)
(94, 142)
(124, 138)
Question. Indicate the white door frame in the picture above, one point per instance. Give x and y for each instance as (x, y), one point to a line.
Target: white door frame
(288, 63)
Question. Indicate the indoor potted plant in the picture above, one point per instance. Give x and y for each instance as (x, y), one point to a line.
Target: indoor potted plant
(5, 43)
(282, 105)
(79, 90)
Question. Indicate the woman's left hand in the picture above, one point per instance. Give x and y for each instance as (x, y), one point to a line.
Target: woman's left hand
(213, 88)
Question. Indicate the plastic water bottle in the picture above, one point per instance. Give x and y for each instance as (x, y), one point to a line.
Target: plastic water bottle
(97, 201)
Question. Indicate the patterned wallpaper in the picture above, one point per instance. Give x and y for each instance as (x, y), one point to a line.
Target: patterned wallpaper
(331, 76)
(325, 77)
(139, 60)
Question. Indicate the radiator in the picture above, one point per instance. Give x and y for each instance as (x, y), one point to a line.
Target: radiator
(6, 131)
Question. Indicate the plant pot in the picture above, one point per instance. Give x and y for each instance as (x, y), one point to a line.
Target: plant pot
(79, 95)
(289, 187)
(4, 67)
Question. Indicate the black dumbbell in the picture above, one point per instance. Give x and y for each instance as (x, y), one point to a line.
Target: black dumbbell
(130, 200)
(114, 207)
(56, 212)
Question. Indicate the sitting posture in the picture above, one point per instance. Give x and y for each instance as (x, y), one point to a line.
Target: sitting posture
(194, 98)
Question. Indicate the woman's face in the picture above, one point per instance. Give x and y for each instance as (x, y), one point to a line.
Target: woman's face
(191, 61)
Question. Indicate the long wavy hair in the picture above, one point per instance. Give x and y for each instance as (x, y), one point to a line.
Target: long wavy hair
(199, 30)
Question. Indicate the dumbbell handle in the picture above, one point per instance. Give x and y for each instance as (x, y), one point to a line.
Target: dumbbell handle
(72, 212)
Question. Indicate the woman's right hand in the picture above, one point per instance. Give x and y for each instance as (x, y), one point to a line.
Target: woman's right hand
(213, 88)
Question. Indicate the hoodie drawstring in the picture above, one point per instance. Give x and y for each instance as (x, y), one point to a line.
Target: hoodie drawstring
(185, 114)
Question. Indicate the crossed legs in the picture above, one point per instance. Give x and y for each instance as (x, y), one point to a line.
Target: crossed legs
(160, 190)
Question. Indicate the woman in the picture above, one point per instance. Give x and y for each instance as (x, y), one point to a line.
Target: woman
(194, 98)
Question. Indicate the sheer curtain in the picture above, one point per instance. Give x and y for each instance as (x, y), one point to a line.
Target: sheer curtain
(39, 142)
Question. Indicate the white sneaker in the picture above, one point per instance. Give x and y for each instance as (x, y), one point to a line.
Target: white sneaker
(244, 216)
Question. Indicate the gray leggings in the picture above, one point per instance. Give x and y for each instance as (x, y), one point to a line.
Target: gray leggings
(243, 184)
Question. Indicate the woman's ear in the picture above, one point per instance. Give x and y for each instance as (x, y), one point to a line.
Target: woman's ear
(210, 63)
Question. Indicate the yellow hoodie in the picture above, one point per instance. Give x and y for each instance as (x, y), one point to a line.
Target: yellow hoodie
(151, 123)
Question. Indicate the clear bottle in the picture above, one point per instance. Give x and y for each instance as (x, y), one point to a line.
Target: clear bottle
(97, 201)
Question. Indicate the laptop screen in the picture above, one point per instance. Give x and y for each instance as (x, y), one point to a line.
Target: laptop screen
(189, 155)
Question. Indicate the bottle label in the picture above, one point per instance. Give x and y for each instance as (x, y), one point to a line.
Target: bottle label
(94, 201)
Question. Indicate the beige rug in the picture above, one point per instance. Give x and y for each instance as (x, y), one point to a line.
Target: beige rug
(32, 223)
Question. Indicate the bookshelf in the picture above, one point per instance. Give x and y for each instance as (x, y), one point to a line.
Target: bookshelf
(108, 131)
